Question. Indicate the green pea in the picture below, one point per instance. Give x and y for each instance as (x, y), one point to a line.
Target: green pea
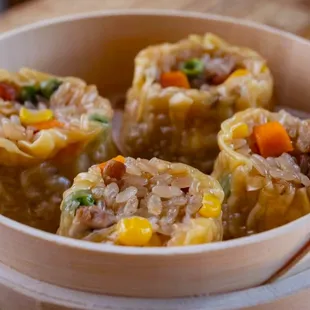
(192, 67)
(86, 200)
(99, 118)
(28, 93)
(49, 87)
(77, 199)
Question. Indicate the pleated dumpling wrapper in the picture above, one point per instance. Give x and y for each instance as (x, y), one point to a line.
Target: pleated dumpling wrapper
(42, 114)
(182, 92)
(139, 202)
(264, 169)
(51, 128)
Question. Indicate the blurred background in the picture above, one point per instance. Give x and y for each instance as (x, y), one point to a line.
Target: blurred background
(5, 4)
(289, 15)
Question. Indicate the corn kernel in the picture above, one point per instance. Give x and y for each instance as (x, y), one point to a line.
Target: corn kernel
(120, 158)
(240, 131)
(238, 73)
(134, 231)
(28, 117)
(211, 206)
(264, 68)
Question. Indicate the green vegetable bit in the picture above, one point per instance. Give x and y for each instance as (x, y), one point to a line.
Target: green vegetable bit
(193, 67)
(77, 199)
(86, 200)
(28, 93)
(98, 118)
(49, 87)
(225, 183)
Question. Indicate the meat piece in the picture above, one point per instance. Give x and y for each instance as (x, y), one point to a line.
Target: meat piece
(7, 92)
(89, 218)
(114, 169)
(218, 69)
(219, 79)
(198, 82)
(94, 217)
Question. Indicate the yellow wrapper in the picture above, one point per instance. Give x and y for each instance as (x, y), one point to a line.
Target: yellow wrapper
(179, 124)
(40, 162)
(262, 193)
(93, 209)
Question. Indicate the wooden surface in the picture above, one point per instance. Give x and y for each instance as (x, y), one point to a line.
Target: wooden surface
(289, 15)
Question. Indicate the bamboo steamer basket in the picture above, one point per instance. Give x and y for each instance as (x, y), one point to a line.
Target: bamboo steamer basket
(18, 291)
(100, 48)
